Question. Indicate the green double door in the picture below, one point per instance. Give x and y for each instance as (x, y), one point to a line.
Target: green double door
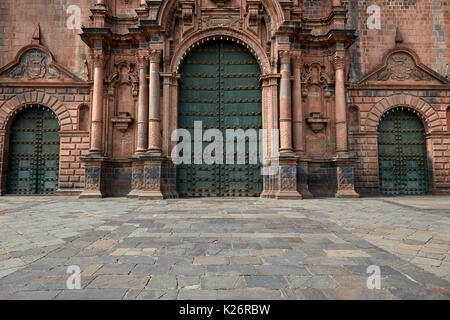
(402, 154)
(34, 152)
(220, 87)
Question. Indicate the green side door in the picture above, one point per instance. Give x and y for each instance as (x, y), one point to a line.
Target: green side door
(402, 154)
(33, 162)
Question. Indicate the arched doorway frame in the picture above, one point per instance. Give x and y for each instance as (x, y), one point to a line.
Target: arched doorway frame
(268, 79)
(427, 128)
(8, 113)
(44, 168)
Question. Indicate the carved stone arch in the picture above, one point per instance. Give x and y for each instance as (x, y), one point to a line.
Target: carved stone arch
(426, 113)
(273, 8)
(220, 33)
(9, 110)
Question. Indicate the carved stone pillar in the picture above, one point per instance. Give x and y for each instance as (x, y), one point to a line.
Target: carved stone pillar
(270, 122)
(344, 164)
(154, 121)
(285, 104)
(97, 106)
(94, 160)
(285, 182)
(142, 121)
(298, 127)
(340, 105)
(297, 107)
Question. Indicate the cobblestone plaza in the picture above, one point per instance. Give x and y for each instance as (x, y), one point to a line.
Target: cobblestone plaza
(244, 248)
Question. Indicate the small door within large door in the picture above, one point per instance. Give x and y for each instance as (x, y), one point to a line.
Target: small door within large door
(220, 87)
(402, 154)
(34, 152)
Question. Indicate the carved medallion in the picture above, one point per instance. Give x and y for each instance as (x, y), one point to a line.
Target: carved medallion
(34, 65)
(401, 67)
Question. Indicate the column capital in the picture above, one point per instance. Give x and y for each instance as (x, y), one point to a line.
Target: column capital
(142, 60)
(285, 57)
(154, 55)
(338, 60)
(98, 59)
(297, 59)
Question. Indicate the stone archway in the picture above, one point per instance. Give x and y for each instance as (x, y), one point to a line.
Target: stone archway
(220, 88)
(420, 107)
(10, 108)
(33, 153)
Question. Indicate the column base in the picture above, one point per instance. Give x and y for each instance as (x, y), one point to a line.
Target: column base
(91, 195)
(155, 178)
(137, 176)
(302, 180)
(151, 195)
(345, 178)
(93, 177)
(286, 179)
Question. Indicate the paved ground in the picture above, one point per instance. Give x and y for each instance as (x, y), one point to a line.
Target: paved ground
(225, 248)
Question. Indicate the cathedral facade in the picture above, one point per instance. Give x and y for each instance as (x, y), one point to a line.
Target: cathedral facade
(347, 98)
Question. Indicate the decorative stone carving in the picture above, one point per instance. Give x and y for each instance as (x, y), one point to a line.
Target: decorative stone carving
(338, 61)
(220, 21)
(34, 65)
(154, 56)
(187, 8)
(123, 121)
(400, 67)
(316, 121)
(253, 12)
(285, 57)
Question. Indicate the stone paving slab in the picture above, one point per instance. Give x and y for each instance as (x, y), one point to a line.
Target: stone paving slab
(244, 248)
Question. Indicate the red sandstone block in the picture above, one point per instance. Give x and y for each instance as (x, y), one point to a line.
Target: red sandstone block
(68, 159)
(74, 179)
(75, 165)
(69, 146)
(63, 178)
(76, 139)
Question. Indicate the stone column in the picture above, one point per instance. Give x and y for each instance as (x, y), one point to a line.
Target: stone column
(285, 104)
(298, 128)
(97, 106)
(142, 121)
(154, 121)
(344, 163)
(297, 108)
(340, 106)
(286, 176)
(94, 161)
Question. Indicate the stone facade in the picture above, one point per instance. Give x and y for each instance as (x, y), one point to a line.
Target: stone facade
(330, 71)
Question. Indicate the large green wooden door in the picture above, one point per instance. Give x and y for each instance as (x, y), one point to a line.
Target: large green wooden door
(402, 154)
(34, 152)
(220, 87)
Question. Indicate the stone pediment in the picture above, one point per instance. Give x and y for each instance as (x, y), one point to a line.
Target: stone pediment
(402, 66)
(35, 63)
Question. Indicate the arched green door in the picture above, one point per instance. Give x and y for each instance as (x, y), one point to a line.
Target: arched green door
(402, 154)
(220, 86)
(34, 152)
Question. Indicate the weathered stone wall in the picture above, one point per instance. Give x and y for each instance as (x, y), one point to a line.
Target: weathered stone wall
(423, 23)
(18, 21)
